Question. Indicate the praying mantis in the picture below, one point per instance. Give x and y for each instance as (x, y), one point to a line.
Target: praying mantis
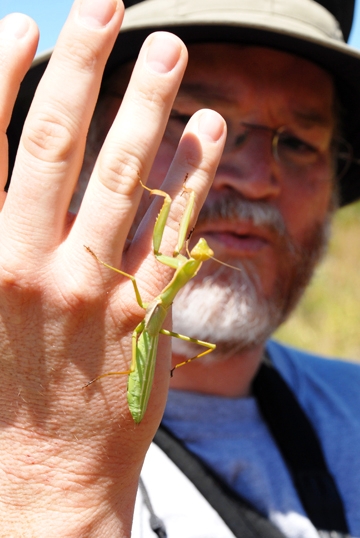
(146, 335)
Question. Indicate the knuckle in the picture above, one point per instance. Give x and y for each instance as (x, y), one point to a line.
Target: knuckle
(14, 269)
(152, 96)
(66, 295)
(80, 55)
(49, 137)
(83, 55)
(149, 104)
(10, 279)
(75, 299)
(16, 291)
(193, 162)
(77, 294)
(118, 171)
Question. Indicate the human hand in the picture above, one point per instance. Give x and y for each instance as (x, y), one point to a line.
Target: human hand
(71, 457)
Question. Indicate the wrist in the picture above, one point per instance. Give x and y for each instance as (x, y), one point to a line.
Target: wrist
(49, 488)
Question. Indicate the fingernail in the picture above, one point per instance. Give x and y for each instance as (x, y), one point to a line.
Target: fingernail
(211, 125)
(15, 25)
(97, 13)
(163, 52)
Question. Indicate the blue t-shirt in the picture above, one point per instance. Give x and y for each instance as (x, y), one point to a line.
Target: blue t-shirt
(230, 435)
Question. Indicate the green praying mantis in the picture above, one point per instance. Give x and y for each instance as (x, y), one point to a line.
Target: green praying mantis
(146, 335)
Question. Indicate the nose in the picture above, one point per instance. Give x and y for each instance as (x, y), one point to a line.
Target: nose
(251, 170)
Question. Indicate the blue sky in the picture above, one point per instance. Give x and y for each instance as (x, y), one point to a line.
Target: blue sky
(50, 15)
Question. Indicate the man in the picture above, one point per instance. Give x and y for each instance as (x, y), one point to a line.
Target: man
(278, 75)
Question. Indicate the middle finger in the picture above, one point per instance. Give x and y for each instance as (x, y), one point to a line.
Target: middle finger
(113, 193)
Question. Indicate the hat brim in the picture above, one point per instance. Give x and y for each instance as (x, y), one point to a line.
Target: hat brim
(342, 61)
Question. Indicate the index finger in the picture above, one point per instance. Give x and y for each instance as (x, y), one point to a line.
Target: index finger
(51, 149)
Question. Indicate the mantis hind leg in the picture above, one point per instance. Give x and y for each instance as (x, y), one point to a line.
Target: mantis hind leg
(132, 278)
(126, 372)
(210, 348)
(135, 334)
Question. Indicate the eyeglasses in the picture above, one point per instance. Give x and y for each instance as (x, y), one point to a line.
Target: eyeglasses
(293, 153)
(296, 154)
(344, 155)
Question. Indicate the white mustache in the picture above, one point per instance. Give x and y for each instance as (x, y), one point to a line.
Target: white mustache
(233, 207)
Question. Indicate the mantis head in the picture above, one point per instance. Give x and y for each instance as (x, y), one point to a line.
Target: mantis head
(201, 251)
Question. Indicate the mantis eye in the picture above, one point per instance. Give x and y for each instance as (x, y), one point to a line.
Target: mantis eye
(201, 251)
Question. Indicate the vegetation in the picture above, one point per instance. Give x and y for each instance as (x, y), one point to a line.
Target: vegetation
(327, 320)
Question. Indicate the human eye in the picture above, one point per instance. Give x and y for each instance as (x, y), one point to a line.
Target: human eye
(176, 125)
(296, 149)
(180, 117)
(242, 133)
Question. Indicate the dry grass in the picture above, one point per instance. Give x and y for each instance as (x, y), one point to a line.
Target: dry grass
(327, 321)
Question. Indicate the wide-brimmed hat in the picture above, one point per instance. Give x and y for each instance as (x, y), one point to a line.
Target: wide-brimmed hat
(301, 27)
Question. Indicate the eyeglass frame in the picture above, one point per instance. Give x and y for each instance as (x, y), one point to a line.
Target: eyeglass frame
(349, 157)
(276, 134)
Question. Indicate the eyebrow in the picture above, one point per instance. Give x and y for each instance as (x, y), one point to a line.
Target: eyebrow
(203, 91)
(312, 117)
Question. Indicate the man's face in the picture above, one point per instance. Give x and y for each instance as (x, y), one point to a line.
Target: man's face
(268, 209)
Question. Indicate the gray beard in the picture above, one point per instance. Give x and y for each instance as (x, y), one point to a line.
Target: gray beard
(227, 307)
(223, 309)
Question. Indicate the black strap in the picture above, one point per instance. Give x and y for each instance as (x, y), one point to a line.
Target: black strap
(301, 450)
(302, 453)
(156, 524)
(243, 520)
